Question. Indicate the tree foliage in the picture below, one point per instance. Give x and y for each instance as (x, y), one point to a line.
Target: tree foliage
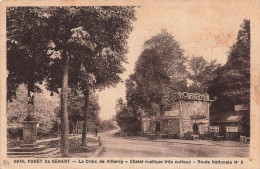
(202, 73)
(106, 125)
(76, 107)
(233, 79)
(85, 48)
(159, 70)
(26, 49)
(126, 117)
(104, 30)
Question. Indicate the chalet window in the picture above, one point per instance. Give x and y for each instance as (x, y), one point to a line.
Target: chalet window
(214, 129)
(232, 129)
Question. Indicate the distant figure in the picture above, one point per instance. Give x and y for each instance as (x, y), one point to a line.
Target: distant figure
(96, 131)
(100, 141)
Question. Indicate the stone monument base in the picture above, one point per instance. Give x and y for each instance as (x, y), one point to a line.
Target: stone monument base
(29, 139)
(29, 132)
(28, 149)
(39, 151)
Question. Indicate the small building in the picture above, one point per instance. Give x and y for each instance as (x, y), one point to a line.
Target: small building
(186, 113)
(231, 124)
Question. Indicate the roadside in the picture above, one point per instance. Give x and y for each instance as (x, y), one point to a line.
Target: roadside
(194, 142)
(143, 147)
(228, 143)
(93, 148)
(89, 135)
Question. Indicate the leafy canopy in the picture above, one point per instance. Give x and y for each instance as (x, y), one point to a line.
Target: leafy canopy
(95, 39)
(201, 74)
(26, 48)
(233, 79)
(159, 70)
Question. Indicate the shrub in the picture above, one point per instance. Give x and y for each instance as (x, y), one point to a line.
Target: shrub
(206, 136)
(14, 133)
(42, 133)
(75, 145)
(13, 143)
(54, 144)
(187, 135)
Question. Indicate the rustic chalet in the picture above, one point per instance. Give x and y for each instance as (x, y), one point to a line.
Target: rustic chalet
(231, 124)
(186, 113)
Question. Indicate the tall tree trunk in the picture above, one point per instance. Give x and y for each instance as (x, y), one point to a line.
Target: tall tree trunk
(84, 132)
(73, 128)
(77, 127)
(64, 146)
(142, 119)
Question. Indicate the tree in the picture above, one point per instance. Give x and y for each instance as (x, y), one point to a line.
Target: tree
(76, 109)
(202, 73)
(66, 37)
(107, 125)
(26, 50)
(126, 117)
(105, 66)
(233, 79)
(134, 93)
(159, 70)
(93, 118)
(88, 42)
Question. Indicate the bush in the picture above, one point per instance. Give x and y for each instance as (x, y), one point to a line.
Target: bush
(187, 135)
(14, 133)
(206, 136)
(42, 133)
(117, 134)
(54, 144)
(107, 125)
(13, 143)
(75, 145)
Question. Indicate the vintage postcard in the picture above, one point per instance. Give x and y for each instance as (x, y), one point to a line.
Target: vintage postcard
(129, 84)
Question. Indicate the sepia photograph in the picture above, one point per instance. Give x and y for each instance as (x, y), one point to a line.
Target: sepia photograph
(131, 81)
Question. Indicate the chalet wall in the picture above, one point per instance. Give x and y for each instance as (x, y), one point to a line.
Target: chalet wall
(170, 119)
(194, 108)
(147, 122)
(187, 113)
(194, 112)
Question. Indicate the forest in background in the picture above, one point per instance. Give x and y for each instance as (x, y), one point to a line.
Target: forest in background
(162, 69)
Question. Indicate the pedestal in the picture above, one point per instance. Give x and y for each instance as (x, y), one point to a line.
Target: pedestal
(29, 133)
(29, 146)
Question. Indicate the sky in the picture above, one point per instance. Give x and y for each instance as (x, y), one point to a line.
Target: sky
(202, 29)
